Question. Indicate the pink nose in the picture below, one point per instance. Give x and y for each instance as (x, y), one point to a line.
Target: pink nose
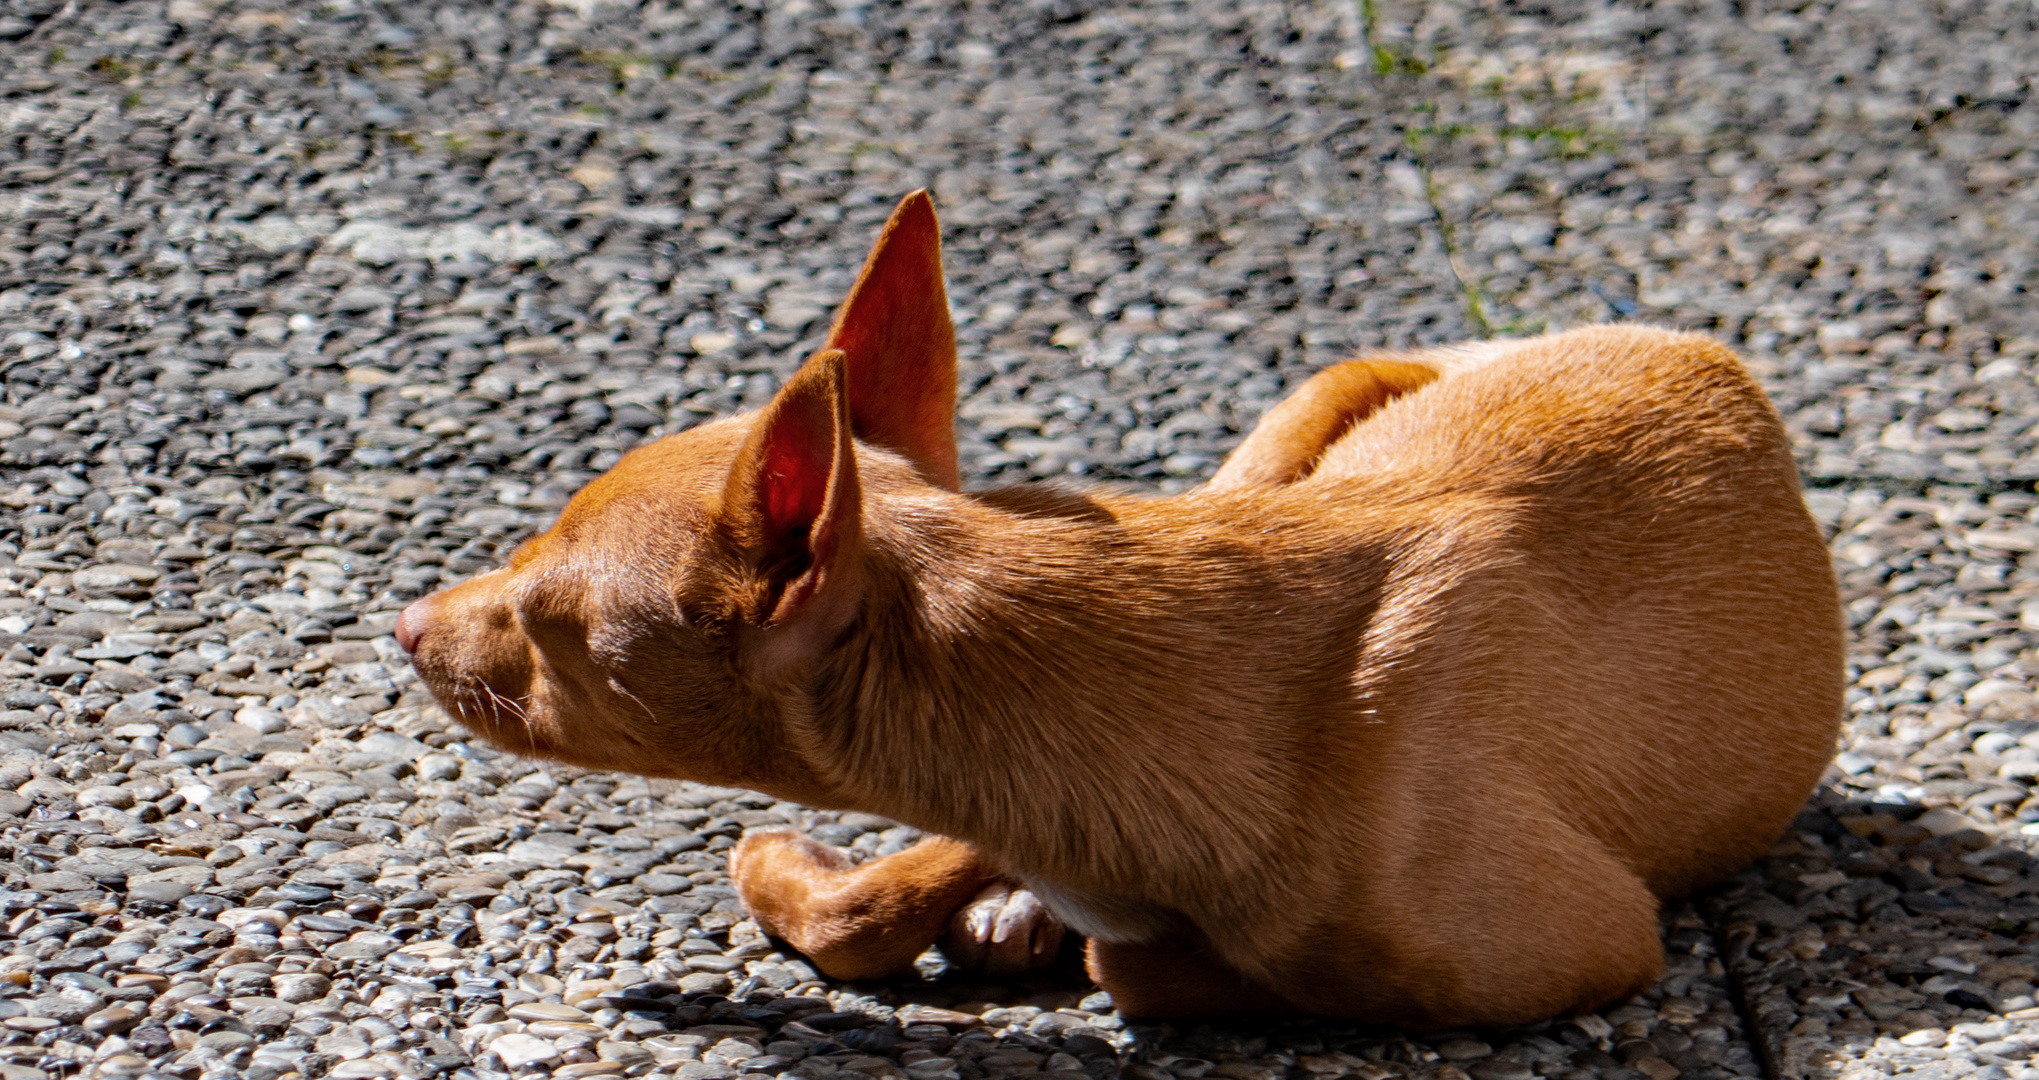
(410, 625)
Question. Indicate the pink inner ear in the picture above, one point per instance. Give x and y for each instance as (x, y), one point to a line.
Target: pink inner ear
(795, 481)
(901, 347)
(792, 493)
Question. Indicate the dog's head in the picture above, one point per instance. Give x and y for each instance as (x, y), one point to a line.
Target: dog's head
(657, 626)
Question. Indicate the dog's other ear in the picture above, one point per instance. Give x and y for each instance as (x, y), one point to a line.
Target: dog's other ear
(901, 347)
(792, 507)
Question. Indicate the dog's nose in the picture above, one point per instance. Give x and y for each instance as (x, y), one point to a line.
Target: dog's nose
(411, 623)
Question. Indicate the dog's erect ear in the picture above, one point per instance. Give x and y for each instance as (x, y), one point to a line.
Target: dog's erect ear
(901, 347)
(792, 506)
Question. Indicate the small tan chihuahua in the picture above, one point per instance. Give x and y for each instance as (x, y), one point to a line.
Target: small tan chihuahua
(1463, 661)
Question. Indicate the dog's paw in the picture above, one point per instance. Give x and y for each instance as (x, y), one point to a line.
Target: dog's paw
(1003, 930)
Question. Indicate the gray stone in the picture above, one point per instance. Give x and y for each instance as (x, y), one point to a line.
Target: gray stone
(157, 891)
(67, 1005)
(520, 1051)
(1463, 1049)
(704, 982)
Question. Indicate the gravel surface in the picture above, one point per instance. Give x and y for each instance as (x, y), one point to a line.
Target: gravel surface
(307, 310)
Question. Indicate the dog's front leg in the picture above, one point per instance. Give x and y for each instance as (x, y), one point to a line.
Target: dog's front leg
(869, 921)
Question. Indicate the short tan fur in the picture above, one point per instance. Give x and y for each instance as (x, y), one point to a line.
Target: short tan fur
(1462, 662)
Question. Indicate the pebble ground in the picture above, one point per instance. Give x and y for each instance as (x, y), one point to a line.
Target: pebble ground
(308, 309)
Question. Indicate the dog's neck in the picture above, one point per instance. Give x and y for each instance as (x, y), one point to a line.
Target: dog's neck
(1053, 676)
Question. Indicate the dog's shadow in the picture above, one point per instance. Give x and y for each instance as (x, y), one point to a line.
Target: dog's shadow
(1869, 929)
(1886, 930)
(1688, 1024)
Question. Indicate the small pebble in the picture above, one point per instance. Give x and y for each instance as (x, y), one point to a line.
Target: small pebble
(113, 1021)
(539, 1010)
(519, 1050)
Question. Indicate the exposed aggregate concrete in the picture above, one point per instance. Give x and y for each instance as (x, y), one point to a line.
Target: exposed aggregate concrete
(305, 311)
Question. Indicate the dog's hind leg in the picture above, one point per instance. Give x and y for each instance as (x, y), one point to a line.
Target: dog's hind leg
(1177, 977)
(1287, 443)
(1004, 930)
(869, 921)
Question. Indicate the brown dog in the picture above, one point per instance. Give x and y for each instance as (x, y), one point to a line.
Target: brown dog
(1463, 660)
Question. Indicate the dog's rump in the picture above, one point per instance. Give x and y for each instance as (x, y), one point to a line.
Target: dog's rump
(1657, 407)
(1608, 533)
